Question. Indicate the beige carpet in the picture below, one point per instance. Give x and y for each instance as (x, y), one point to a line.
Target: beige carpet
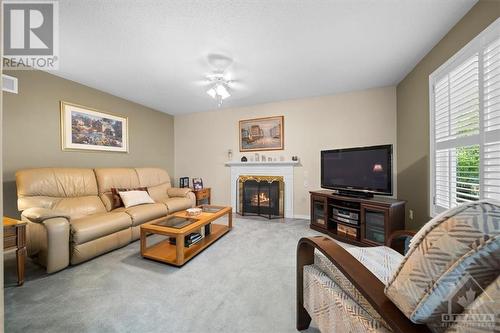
(245, 282)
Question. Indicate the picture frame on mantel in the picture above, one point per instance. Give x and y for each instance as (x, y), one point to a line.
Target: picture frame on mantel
(87, 129)
(262, 134)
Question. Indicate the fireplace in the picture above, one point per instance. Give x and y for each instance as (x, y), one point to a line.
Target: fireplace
(261, 195)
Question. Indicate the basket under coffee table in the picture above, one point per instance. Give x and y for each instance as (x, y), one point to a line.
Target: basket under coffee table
(179, 225)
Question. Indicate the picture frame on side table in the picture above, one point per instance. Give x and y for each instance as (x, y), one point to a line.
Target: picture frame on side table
(183, 182)
(197, 184)
(84, 128)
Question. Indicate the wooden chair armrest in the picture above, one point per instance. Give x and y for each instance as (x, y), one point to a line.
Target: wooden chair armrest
(364, 281)
(398, 233)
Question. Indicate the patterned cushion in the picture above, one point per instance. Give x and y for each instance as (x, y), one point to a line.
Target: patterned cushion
(464, 242)
(482, 315)
(381, 261)
(333, 309)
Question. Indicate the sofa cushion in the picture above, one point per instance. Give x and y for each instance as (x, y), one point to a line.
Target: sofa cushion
(95, 226)
(80, 206)
(159, 192)
(176, 204)
(107, 178)
(135, 198)
(381, 261)
(150, 177)
(464, 242)
(45, 187)
(117, 200)
(144, 213)
(334, 310)
(56, 182)
(485, 309)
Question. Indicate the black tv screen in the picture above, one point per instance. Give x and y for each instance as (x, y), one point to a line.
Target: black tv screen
(364, 169)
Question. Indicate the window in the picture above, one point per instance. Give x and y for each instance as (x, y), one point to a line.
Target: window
(465, 124)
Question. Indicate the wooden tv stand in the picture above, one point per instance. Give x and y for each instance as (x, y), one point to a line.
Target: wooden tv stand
(358, 221)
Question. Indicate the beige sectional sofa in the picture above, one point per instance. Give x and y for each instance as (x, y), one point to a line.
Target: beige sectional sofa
(72, 216)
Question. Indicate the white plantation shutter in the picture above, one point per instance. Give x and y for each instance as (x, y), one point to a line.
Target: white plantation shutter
(465, 124)
(491, 107)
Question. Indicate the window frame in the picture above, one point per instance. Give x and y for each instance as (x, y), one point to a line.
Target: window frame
(476, 45)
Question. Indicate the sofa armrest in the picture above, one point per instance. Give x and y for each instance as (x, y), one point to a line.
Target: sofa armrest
(39, 215)
(394, 240)
(48, 237)
(178, 192)
(362, 279)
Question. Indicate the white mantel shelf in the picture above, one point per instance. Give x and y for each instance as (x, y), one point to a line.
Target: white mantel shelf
(274, 168)
(273, 163)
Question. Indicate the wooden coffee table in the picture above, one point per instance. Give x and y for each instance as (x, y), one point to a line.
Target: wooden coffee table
(177, 254)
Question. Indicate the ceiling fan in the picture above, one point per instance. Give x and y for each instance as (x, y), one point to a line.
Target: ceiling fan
(218, 87)
(218, 82)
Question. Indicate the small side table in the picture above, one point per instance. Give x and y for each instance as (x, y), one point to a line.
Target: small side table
(202, 196)
(14, 237)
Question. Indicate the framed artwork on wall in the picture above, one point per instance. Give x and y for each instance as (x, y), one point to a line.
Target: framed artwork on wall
(261, 134)
(83, 128)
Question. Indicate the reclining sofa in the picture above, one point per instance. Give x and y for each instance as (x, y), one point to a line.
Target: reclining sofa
(72, 214)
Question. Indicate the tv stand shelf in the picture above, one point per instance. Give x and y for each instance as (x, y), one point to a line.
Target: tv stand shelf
(355, 220)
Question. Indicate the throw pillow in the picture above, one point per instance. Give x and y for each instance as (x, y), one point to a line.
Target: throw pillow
(134, 198)
(460, 247)
(117, 201)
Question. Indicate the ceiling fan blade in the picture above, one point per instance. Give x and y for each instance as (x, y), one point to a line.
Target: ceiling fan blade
(203, 82)
(237, 85)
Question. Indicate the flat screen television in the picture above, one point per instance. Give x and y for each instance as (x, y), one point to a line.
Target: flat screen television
(358, 171)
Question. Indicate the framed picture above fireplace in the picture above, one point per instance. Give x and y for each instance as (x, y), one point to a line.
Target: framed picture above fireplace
(261, 134)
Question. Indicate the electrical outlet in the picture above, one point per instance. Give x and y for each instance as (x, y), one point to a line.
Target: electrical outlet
(411, 214)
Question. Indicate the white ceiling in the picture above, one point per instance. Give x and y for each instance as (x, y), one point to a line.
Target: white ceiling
(154, 52)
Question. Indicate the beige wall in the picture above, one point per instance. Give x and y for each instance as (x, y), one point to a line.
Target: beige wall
(413, 110)
(345, 120)
(31, 130)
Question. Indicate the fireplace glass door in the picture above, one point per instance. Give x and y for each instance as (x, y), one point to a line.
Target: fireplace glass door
(261, 198)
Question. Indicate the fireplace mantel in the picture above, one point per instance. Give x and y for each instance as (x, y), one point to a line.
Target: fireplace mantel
(275, 168)
(274, 163)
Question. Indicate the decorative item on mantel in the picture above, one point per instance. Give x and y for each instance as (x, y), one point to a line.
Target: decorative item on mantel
(230, 154)
(243, 159)
(257, 157)
(295, 158)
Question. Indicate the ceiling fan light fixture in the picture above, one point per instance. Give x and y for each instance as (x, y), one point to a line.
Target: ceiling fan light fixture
(219, 86)
(212, 93)
(222, 91)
